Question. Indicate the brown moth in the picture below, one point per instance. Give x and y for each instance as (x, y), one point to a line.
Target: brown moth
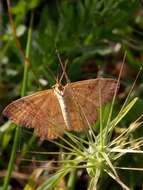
(71, 107)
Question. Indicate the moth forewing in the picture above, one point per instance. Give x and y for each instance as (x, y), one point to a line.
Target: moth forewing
(86, 97)
(63, 105)
(40, 111)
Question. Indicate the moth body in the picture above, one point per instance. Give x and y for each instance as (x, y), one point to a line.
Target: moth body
(59, 92)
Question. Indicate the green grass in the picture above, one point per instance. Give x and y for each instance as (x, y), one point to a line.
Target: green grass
(17, 130)
(87, 34)
(94, 157)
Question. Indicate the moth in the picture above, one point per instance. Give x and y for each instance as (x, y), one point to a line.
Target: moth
(72, 107)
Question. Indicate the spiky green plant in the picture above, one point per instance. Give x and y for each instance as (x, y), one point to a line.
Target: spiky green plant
(94, 155)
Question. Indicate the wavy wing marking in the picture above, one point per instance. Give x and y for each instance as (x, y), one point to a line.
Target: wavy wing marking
(85, 97)
(40, 111)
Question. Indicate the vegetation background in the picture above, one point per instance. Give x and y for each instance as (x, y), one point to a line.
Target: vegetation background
(94, 36)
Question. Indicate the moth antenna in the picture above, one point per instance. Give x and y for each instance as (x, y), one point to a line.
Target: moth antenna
(64, 73)
(57, 79)
(63, 68)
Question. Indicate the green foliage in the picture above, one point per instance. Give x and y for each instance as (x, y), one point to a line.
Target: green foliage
(92, 35)
(81, 30)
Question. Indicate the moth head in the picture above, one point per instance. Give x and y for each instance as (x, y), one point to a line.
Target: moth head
(58, 88)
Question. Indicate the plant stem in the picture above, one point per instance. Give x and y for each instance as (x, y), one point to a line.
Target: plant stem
(27, 145)
(26, 64)
(23, 90)
(12, 158)
(101, 119)
(72, 179)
